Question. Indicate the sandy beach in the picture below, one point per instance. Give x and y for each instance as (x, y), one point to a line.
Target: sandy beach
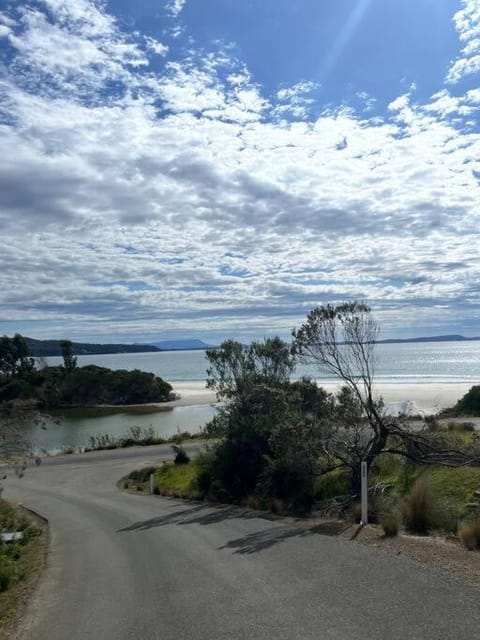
(426, 398)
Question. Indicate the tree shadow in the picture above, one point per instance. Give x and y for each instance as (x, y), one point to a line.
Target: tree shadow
(261, 540)
(207, 514)
(199, 514)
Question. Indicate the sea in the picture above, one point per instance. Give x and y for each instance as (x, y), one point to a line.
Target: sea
(396, 364)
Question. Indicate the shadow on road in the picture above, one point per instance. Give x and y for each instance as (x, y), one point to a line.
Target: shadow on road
(261, 540)
(251, 543)
(200, 514)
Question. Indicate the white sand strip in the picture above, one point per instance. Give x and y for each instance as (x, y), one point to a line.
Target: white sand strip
(429, 397)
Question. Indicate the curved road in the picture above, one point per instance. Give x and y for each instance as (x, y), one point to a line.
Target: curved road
(138, 567)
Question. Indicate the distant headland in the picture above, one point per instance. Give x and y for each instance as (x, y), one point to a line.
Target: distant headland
(48, 348)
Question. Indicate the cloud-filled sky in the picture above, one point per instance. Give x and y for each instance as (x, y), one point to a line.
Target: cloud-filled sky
(181, 168)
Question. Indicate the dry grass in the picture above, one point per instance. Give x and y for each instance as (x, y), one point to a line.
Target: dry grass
(470, 536)
(418, 509)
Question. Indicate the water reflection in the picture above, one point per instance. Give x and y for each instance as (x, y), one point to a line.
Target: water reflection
(73, 427)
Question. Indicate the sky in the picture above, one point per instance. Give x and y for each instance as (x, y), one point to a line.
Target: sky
(217, 168)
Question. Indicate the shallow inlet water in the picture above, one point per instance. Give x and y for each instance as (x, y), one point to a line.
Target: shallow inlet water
(73, 428)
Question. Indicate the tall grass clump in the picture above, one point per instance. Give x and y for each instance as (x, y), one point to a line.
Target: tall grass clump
(418, 509)
(470, 535)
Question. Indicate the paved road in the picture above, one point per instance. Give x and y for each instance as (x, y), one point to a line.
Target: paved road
(135, 567)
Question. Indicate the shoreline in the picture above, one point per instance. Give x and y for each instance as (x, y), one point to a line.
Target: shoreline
(414, 398)
(425, 397)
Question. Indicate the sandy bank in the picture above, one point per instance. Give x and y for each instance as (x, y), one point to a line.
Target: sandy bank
(429, 397)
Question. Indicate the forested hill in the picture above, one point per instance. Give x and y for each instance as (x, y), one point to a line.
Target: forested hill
(48, 348)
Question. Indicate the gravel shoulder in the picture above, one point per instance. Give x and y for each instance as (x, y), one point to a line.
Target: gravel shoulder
(436, 552)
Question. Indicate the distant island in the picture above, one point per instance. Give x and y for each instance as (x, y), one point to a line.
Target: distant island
(51, 348)
(48, 348)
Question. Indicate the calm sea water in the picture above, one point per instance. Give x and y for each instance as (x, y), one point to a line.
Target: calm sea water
(401, 363)
(396, 363)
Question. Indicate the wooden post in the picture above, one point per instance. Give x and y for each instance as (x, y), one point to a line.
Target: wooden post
(364, 473)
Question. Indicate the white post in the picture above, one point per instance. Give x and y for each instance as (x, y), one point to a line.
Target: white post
(151, 484)
(364, 519)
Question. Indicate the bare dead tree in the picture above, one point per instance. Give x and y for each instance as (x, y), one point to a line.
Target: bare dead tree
(16, 450)
(340, 341)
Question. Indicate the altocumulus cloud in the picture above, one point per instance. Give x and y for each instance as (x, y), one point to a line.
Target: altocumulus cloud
(148, 189)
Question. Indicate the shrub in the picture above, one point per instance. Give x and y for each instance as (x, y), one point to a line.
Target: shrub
(390, 522)
(470, 403)
(333, 484)
(181, 456)
(204, 463)
(418, 509)
(290, 482)
(141, 475)
(446, 515)
(470, 535)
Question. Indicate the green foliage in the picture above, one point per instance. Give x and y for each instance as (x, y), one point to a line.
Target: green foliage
(14, 556)
(181, 456)
(72, 385)
(469, 405)
(135, 436)
(176, 480)
(204, 464)
(290, 482)
(333, 484)
(98, 385)
(235, 370)
(15, 359)
(252, 380)
(89, 385)
(390, 521)
(69, 360)
(142, 475)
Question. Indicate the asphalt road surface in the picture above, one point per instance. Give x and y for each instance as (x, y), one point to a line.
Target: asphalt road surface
(138, 567)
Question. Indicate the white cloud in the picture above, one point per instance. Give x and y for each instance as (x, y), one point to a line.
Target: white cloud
(175, 7)
(295, 100)
(156, 46)
(181, 199)
(467, 24)
(7, 20)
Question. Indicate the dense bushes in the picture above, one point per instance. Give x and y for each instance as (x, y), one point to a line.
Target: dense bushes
(89, 385)
(98, 385)
(469, 405)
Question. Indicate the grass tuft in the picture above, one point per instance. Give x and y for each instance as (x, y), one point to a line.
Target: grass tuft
(418, 510)
(470, 535)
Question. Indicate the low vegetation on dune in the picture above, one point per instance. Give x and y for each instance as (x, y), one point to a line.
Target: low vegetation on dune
(469, 405)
